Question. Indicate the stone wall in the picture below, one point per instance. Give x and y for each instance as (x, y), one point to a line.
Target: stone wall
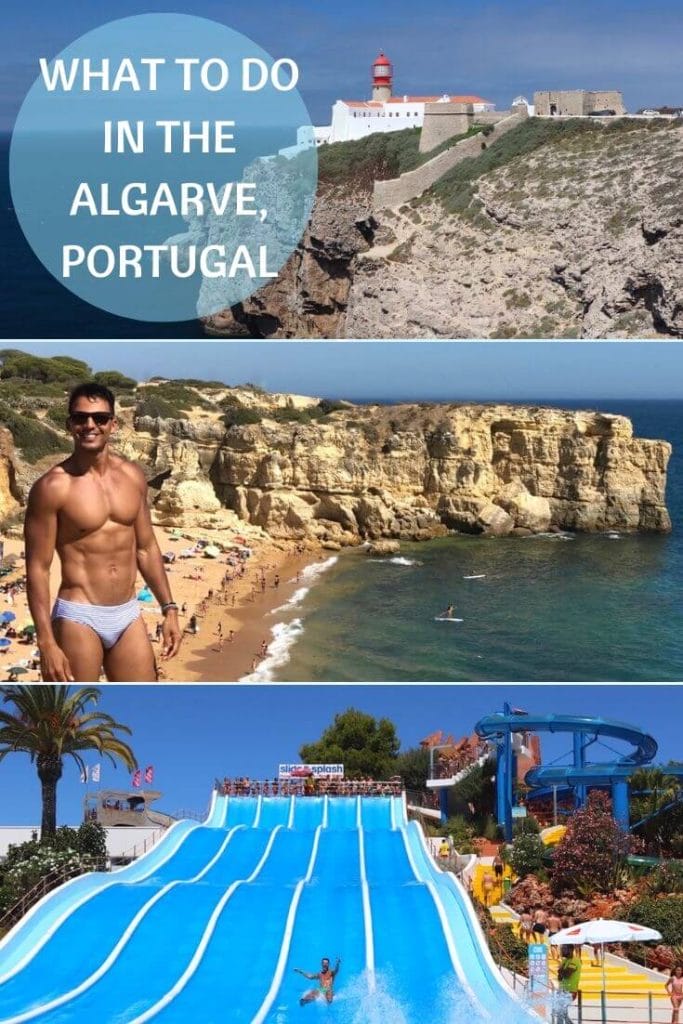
(401, 190)
(444, 121)
(577, 102)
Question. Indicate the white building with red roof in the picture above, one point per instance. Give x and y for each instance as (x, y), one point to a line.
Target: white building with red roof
(354, 119)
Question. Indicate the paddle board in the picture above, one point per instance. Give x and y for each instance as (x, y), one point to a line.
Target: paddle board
(482, 576)
(445, 618)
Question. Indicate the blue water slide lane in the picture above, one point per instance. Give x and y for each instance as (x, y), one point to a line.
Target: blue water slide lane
(163, 935)
(220, 914)
(222, 973)
(469, 944)
(38, 926)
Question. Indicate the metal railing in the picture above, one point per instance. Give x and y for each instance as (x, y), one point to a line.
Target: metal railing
(142, 846)
(315, 787)
(423, 798)
(47, 883)
(608, 1007)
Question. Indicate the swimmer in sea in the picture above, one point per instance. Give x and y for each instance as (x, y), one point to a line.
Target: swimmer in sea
(325, 979)
(449, 613)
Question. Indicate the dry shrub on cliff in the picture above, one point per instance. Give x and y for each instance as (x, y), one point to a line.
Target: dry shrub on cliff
(31, 437)
(455, 190)
(378, 157)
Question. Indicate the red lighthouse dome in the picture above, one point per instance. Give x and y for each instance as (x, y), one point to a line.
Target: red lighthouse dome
(382, 77)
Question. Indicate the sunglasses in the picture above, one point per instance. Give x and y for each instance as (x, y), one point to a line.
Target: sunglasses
(79, 419)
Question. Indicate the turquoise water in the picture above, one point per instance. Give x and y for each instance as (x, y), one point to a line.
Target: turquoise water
(578, 608)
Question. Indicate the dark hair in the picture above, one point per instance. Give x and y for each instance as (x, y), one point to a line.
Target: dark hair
(567, 951)
(91, 389)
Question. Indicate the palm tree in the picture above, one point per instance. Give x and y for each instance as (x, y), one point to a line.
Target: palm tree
(49, 723)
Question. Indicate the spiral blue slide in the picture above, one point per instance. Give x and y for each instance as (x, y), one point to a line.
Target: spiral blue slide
(614, 773)
(210, 924)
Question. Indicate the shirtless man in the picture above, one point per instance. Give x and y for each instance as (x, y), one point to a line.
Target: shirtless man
(554, 926)
(92, 510)
(325, 978)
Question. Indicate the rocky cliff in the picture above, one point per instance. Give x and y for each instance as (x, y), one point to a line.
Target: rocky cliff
(9, 492)
(409, 472)
(568, 229)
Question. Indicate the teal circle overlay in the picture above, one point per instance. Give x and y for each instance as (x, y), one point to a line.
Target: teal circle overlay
(187, 252)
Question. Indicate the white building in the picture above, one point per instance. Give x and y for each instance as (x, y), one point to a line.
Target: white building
(354, 119)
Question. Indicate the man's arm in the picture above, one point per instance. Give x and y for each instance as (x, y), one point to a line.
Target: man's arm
(151, 566)
(311, 977)
(337, 966)
(40, 535)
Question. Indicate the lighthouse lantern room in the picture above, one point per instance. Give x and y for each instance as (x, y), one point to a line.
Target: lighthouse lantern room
(382, 76)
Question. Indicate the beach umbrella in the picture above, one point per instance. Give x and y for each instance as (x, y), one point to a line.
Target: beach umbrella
(18, 670)
(29, 628)
(4, 642)
(7, 617)
(145, 594)
(211, 551)
(602, 931)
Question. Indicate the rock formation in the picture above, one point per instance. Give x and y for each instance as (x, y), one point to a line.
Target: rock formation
(339, 474)
(579, 237)
(410, 472)
(9, 492)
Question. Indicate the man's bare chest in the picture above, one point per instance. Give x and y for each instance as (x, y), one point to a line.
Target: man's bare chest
(93, 505)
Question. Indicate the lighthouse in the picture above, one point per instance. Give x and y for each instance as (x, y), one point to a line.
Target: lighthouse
(382, 74)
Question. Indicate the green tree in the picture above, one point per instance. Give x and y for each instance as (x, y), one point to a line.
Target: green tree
(413, 767)
(50, 723)
(591, 852)
(527, 853)
(460, 832)
(363, 744)
(114, 379)
(16, 363)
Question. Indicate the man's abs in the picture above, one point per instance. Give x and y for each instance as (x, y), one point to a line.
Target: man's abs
(100, 568)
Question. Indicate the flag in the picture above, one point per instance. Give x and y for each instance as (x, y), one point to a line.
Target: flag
(84, 774)
(95, 773)
(137, 778)
(149, 774)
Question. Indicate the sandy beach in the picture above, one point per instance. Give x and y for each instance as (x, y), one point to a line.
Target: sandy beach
(242, 606)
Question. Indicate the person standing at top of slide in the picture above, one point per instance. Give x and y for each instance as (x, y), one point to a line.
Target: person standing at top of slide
(92, 510)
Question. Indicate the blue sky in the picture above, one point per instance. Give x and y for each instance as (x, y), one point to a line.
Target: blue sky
(411, 370)
(193, 733)
(496, 48)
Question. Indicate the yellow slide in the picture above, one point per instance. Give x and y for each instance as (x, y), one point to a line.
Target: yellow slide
(552, 836)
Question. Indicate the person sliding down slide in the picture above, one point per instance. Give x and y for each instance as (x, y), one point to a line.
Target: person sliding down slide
(325, 978)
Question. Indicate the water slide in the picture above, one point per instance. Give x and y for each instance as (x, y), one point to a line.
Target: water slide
(615, 774)
(209, 925)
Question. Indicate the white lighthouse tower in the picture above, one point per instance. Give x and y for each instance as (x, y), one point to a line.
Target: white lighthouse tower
(382, 78)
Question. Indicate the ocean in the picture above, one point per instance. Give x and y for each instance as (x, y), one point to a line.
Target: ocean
(567, 608)
(33, 304)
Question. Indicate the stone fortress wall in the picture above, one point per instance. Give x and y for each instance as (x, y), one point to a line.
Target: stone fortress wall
(444, 121)
(577, 102)
(413, 183)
